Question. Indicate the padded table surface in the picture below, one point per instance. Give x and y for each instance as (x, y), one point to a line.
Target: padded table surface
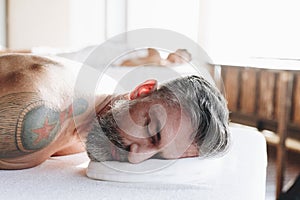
(240, 174)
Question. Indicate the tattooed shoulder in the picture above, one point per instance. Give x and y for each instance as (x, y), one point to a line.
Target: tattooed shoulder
(28, 123)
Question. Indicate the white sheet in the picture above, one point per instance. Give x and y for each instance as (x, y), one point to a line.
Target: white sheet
(240, 175)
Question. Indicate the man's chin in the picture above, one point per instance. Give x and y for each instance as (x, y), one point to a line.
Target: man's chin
(110, 153)
(104, 144)
(102, 158)
(99, 157)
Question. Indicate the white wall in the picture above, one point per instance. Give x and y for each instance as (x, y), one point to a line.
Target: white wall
(38, 23)
(2, 23)
(55, 23)
(77, 23)
(87, 22)
(115, 17)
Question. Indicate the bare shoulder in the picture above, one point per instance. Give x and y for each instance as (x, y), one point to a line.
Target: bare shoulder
(22, 71)
(31, 73)
(29, 62)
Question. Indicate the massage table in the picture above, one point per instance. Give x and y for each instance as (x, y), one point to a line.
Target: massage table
(238, 175)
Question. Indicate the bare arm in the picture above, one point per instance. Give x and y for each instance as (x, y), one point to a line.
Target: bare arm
(28, 124)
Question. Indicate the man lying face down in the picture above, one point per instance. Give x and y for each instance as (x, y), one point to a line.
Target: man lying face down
(185, 117)
(40, 117)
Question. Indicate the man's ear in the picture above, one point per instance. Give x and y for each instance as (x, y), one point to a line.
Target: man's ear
(143, 89)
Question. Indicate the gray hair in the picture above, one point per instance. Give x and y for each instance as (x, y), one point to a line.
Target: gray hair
(207, 109)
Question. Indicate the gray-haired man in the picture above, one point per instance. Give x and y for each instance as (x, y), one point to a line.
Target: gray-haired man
(41, 117)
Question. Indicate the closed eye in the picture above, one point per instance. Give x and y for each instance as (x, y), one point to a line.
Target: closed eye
(158, 135)
(154, 139)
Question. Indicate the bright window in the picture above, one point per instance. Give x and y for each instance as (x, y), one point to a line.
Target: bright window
(181, 16)
(257, 28)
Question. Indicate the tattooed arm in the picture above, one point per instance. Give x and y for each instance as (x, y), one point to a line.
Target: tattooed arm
(28, 124)
(32, 131)
(36, 110)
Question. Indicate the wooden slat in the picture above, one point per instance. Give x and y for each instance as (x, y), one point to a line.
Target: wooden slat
(266, 101)
(296, 101)
(230, 77)
(284, 109)
(248, 91)
(277, 97)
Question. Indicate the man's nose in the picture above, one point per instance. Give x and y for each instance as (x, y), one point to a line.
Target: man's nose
(139, 153)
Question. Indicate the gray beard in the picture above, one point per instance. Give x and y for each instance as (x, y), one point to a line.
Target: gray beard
(104, 136)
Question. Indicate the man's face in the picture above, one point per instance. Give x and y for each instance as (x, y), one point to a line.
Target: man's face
(141, 129)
